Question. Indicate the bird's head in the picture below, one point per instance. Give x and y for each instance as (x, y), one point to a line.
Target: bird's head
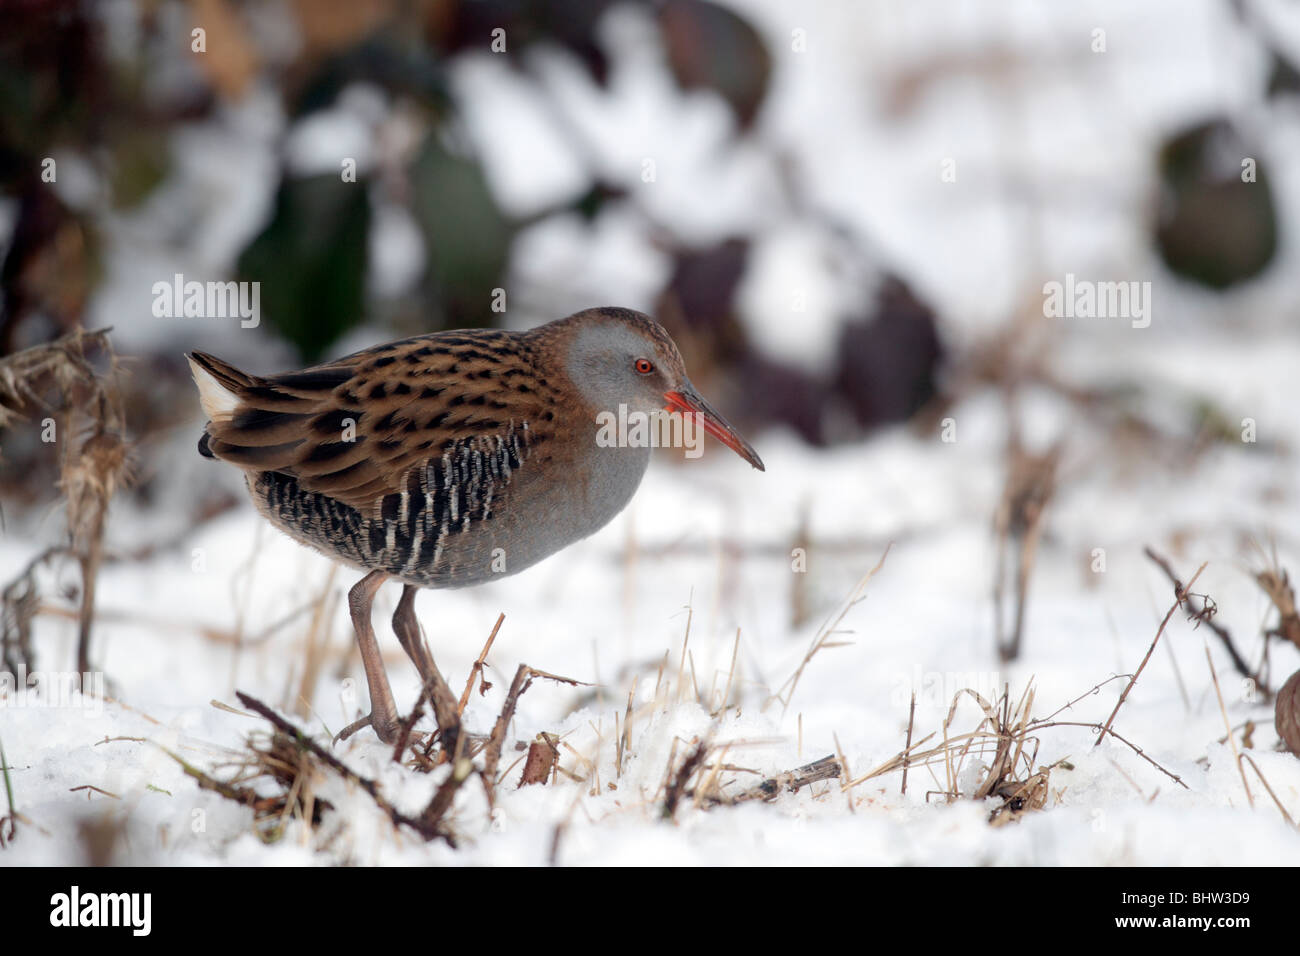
(619, 357)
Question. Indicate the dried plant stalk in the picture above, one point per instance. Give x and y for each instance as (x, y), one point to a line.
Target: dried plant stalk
(85, 419)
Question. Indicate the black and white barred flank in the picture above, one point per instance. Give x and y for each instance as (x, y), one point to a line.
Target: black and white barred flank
(412, 534)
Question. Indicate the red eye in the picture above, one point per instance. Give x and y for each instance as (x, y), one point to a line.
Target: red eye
(643, 366)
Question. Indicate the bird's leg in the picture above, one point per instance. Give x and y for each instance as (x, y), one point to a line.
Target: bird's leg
(407, 629)
(383, 712)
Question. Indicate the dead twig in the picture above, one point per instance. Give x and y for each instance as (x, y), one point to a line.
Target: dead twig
(677, 786)
(1262, 779)
(86, 421)
(19, 605)
(445, 796)
(1227, 725)
(1277, 585)
(477, 669)
(1180, 594)
(90, 787)
(827, 768)
(427, 831)
(1204, 615)
(1030, 486)
(496, 740)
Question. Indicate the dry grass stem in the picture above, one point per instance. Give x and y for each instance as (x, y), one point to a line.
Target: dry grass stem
(822, 640)
(426, 828)
(1227, 725)
(1264, 780)
(477, 669)
(1179, 597)
(1030, 486)
(1205, 615)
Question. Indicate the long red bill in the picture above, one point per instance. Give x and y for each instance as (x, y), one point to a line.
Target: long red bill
(689, 402)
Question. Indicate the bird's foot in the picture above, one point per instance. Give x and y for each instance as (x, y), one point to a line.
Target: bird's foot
(351, 729)
(387, 732)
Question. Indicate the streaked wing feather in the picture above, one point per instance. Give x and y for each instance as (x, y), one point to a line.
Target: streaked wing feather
(359, 428)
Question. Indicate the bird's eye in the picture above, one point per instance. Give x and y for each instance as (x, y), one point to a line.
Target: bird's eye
(644, 366)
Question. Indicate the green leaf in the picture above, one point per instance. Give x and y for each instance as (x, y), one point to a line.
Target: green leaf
(311, 261)
(467, 237)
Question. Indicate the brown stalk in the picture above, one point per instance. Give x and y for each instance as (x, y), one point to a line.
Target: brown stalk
(496, 740)
(1179, 596)
(1204, 615)
(827, 768)
(1227, 725)
(1030, 486)
(477, 669)
(677, 787)
(420, 826)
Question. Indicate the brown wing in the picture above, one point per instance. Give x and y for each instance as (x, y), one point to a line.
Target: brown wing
(355, 429)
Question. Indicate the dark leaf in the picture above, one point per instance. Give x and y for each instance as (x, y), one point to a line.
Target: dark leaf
(457, 26)
(1214, 226)
(704, 283)
(50, 268)
(709, 47)
(888, 359)
(466, 236)
(394, 63)
(311, 261)
(1283, 77)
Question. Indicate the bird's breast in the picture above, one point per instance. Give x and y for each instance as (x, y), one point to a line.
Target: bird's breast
(482, 510)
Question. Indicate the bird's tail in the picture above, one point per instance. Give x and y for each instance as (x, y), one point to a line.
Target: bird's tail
(220, 385)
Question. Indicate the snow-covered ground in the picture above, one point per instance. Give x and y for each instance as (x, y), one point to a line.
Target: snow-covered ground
(716, 537)
(189, 626)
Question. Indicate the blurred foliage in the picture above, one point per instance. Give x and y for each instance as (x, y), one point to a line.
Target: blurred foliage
(466, 237)
(139, 164)
(712, 48)
(464, 26)
(397, 62)
(311, 261)
(1217, 224)
(52, 88)
(116, 108)
(886, 361)
(52, 94)
(51, 267)
(61, 90)
(888, 357)
(1283, 77)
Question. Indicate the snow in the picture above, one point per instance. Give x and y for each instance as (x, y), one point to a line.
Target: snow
(189, 626)
(594, 615)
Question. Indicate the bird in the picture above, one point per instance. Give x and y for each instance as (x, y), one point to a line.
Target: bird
(452, 458)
